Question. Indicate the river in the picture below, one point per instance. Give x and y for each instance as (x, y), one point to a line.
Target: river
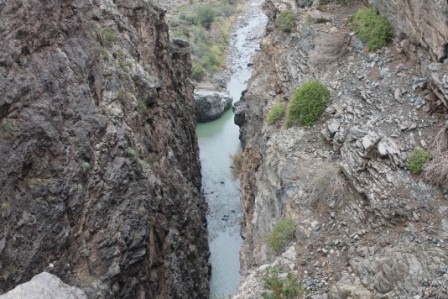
(218, 141)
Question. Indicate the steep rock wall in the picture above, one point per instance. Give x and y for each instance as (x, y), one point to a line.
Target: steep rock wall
(100, 175)
(425, 22)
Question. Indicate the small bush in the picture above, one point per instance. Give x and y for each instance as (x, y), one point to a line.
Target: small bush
(85, 166)
(277, 113)
(372, 28)
(130, 152)
(307, 104)
(7, 127)
(282, 233)
(278, 286)
(286, 20)
(106, 36)
(418, 158)
(204, 16)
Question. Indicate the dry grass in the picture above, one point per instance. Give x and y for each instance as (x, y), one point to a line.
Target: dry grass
(326, 185)
(237, 163)
(436, 170)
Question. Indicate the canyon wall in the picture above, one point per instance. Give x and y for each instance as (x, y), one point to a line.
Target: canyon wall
(365, 227)
(100, 175)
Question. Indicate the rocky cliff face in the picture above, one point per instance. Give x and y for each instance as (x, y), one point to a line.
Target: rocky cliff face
(365, 227)
(100, 177)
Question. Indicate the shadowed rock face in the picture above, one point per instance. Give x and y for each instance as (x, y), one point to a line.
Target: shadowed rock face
(425, 22)
(100, 175)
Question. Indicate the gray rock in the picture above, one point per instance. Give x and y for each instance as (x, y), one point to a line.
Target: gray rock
(44, 286)
(210, 105)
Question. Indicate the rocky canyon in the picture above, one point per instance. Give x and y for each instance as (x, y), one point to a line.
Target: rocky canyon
(364, 225)
(100, 178)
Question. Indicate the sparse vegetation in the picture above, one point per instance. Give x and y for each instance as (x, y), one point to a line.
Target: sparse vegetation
(85, 166)
(237, 163)
(418, 158)
(307, 104)
(286, 20)
(436, 170)
(207, 28)
(106, 36)
(281, 234)
(276, 113)
(7, 127)
(279, 284)
(130, 152)
(325, 184)
(372, 28)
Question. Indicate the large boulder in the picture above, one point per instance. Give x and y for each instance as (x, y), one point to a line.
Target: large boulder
(44, 286)
(210, 105)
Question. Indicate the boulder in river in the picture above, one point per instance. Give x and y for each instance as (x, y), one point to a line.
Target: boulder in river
(210, 105)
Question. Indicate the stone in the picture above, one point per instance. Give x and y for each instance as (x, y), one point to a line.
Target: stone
(44, 286)
(210, 105)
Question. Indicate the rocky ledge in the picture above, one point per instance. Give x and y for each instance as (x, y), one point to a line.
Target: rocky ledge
(100, 176)
(365, 226)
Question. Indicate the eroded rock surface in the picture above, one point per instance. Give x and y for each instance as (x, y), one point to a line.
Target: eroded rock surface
(365, 227)
(100, 175)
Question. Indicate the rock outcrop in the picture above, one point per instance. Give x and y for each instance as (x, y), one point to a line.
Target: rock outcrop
(211, 105)
(425, 22)
(100, 175)
(44, 286)
(365, 227)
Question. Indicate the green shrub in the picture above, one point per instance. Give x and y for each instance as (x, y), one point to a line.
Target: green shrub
(7, 127)
(204, 16)
(282, 233)
(277, 113)
(278, 286)
(307, 104)
(197, 72)
(130, 152)
(85, 166)
(106, 36)
(372, 28)
(418, 158)
(286, 20)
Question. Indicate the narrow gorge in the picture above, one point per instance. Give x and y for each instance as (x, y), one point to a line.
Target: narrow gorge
(109, 187)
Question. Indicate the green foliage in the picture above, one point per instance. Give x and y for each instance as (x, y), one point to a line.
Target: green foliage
(207, 29)
(204, 15)
(372, 28)
(286, 20)
(85, 166)
(282, 233)
(104, 54)
(279, 286)
(198, 72)
(307, 104)
(7, 127)
(277, 113)
(106, 36)
(130, 152)
(418, 158)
